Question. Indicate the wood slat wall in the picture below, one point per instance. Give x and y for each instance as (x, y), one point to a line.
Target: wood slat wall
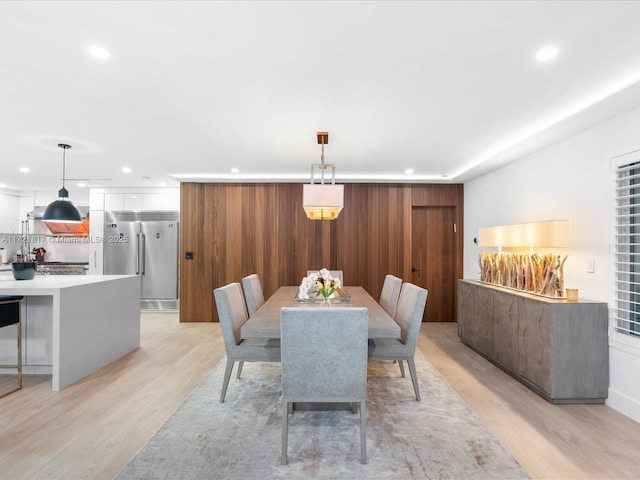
(234, 230)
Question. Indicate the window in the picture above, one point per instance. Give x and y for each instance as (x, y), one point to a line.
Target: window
(626, 243)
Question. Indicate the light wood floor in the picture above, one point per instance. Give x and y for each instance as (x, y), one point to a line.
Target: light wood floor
(91, 429)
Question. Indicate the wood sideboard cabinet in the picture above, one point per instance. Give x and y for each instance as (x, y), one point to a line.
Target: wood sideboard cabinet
(559, 349)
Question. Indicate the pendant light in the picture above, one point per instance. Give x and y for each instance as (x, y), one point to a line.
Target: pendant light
(62, 210)
(322, 201)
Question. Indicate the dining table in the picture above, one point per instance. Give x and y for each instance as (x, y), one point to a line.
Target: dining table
(265, 322)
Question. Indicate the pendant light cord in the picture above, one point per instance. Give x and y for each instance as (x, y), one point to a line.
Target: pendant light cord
(64, 147)
(64, 151)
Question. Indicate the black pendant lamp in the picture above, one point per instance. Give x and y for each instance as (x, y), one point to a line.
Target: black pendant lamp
(62, 210)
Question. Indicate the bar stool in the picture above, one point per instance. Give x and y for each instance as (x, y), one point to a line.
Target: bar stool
(10, 315)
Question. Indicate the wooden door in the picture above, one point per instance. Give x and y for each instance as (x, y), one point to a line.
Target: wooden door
(433, 239)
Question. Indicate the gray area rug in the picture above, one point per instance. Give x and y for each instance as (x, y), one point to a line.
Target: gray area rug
(436, 438)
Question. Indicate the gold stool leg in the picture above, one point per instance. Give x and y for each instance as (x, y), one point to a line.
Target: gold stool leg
(19, 363)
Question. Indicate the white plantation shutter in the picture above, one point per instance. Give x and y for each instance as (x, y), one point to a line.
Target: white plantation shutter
(626, 242)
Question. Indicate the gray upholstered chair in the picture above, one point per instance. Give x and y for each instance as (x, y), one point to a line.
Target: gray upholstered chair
(253, 292)
(390, 294)
(233, 314)
(324, 359)
(411, 305)
(334, 274)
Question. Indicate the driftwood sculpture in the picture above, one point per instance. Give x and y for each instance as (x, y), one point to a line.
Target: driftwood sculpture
(528, 272)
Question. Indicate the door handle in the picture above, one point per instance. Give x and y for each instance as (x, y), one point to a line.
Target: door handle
(414, 269)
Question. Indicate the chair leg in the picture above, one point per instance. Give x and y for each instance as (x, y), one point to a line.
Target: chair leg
(414, 376)
(285, 431)
(363, 432)
(227, 376)
(401, 363)
(240, 364)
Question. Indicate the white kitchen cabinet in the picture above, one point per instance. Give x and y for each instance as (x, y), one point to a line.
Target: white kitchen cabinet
(38, 330)
(113, 201)
(141, 201)
(132, 201)
(37, 335)
(171, 201)
(9, 213)
(152, 201)
(122, 201)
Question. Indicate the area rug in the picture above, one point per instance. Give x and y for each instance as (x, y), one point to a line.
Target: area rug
(436, 438)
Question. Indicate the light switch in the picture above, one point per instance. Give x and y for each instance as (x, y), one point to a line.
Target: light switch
(591, 265)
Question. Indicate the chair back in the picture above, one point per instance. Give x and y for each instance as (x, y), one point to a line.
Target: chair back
(324, 353)
(390, 294)
(232, 314)
(253, 292)
(411, 305)
(334, 273)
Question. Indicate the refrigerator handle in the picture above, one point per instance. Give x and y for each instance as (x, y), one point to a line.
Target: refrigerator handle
(143, 252)
(137, 254)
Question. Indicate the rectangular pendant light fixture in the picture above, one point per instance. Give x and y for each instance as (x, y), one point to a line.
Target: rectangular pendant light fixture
(322, 201)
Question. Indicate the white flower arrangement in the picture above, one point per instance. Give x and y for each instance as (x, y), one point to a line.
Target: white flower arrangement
(320, 283)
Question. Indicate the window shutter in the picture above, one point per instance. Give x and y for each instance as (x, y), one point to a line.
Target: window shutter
(626, 243)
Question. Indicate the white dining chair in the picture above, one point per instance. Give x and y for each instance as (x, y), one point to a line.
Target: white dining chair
(253, 292)
(232, 314)
(390, 294)
(411, 305)
(324, 359)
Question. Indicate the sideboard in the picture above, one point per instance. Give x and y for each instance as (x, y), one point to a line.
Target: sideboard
(558, 349)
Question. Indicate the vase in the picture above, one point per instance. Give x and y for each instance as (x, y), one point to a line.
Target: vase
(326, 302)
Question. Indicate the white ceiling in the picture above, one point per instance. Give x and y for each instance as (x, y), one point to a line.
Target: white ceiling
(450, 89)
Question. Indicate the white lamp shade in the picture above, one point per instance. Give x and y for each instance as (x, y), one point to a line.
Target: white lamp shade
(551, 233)
(322, 201)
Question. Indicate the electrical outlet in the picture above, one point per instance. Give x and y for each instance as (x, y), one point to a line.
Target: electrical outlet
(591, 265)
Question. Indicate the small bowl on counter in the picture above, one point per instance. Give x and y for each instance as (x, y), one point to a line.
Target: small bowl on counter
(23, 270)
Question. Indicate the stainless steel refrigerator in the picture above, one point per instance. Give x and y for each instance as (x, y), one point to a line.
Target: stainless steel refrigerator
(145, 244)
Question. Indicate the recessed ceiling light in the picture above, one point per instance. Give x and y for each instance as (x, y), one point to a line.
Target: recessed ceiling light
(99, 52)
(409, 171)
(235, 170)
(2, 185)
(82, 184)
(163, 184)
(24, 170)
(547, 53)
(126, 169)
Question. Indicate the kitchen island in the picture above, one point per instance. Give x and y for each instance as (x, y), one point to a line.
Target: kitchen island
(95, 319)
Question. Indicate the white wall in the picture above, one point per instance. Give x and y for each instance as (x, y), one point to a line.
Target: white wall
(568, 180)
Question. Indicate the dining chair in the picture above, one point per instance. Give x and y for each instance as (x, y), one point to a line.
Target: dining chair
(411, 305)
(390, 293)
(233, 314)
(253, 292)
(324, 360)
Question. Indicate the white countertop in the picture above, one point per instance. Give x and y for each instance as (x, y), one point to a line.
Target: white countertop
(47, 284)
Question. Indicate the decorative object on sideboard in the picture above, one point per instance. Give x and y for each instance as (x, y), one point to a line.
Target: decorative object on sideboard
(62, 209)
(323, 201)
(542, 274)
(572, 294)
